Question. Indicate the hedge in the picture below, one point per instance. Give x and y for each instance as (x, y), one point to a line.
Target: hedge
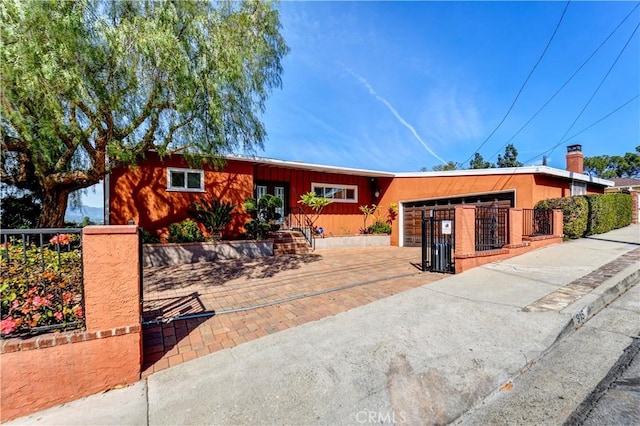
(575, 213)
(592, 214)
(608, 211)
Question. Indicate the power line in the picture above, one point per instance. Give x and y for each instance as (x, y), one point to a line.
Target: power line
(566, 82)
(549, 151)
(603, 118)
(523, 84)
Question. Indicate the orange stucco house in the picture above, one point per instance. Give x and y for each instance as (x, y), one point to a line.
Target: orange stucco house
(157, 193)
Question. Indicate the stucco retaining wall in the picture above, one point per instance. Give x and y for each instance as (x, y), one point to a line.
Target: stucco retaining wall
(353, 241)
(178, 254)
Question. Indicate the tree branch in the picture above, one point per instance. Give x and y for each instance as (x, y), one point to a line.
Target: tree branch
(22, 175)
(86, 111)
(10, 143)
(147, 139)
(172, 130)
(146, 112)
(73, 180)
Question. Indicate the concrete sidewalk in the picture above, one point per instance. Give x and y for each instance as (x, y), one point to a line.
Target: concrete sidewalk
(424, 356)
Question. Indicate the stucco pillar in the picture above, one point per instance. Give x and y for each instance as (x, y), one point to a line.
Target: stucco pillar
(515, 227)
(111, 276)
(465, 232)
(557, 223)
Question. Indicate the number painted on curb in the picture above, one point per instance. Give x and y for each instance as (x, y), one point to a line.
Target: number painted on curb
(581, 316)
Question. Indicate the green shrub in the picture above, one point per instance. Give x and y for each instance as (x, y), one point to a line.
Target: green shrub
(379, 228)
(185, 232)
(608, 212)
(214, 214)
(575, 214)
(264, 215)
(257, 229)
(264, 209)
(149, 238)
(592, 214)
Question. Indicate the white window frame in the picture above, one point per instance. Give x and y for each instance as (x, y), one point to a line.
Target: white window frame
(261, 190)
(578, 188)
(185, 171)
(338, 186)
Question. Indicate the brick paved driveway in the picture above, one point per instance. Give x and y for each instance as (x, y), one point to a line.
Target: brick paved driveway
(241, 300)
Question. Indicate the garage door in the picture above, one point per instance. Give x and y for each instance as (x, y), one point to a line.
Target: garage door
(412, 212)
(412, 226)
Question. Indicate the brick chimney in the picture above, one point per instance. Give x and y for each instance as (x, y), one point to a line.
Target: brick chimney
(575, 159)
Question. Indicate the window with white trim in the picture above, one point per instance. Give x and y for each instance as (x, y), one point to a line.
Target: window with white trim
(578, 188)
(188, 180)
(338, 193)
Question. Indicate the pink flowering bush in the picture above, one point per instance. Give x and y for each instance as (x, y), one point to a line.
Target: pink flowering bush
(62, 239)
(34, 297)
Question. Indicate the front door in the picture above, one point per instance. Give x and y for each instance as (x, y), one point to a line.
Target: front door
(278, 191)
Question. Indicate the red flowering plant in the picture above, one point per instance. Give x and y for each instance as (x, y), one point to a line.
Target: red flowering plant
(37, 298)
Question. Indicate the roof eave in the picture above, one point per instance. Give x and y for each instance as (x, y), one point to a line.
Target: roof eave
(511, 171)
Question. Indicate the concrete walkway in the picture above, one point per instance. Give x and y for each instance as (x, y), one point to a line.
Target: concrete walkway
(423, 356)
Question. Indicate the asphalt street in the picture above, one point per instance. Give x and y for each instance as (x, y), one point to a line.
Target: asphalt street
(616, 399)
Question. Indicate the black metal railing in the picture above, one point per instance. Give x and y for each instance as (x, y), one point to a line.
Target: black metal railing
(299, 221)
(42, 286)
(537, 222)
(492, 227)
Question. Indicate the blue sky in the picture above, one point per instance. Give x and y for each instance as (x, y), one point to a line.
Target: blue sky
(397, 86)
(400, 85)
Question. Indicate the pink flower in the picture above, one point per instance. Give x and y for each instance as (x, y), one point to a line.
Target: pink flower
(36, 317)
(41, 301)
(67, 297)
(15, 304)
(77, 311)
(61, 239)
(58, 316)
(8, 325)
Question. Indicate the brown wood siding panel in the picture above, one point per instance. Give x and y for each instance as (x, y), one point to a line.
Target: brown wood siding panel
(337, 215)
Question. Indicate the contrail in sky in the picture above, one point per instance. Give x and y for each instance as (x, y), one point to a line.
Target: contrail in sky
(395, 113)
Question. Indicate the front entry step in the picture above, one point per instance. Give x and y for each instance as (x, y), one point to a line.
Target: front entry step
(289, 242)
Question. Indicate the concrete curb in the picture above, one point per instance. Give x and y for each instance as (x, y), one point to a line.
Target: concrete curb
(578, 314)
(585, 308)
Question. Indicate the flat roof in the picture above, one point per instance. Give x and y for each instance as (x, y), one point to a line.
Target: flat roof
(310, 166)
(545, 170)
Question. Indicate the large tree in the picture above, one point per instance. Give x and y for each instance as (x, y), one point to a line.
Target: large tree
(451, 165)
(614, 166)
(478, 162)
(92, 84)
(510, 158)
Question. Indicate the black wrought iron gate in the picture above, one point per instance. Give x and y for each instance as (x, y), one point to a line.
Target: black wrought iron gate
(438, 240)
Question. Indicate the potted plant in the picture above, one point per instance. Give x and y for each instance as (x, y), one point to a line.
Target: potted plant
(214, 214)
